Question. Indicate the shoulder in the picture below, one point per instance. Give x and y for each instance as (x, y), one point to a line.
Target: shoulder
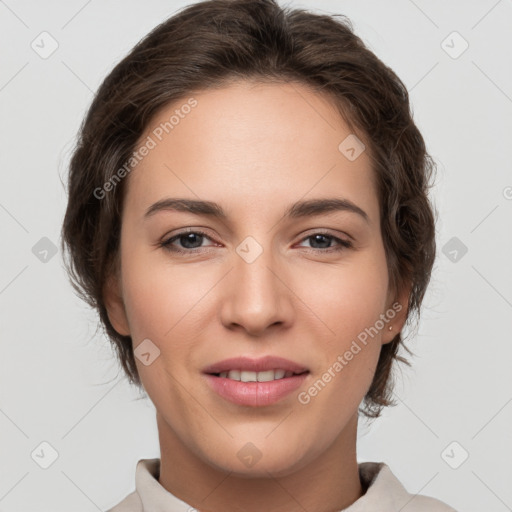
(131, 503)
(421, 503)
(385, 490)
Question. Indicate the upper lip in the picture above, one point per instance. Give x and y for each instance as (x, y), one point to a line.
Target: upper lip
(255, 365)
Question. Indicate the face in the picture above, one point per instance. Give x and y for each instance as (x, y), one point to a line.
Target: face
(260, 280)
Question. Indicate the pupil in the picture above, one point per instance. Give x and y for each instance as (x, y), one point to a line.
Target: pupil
(189, 238)
(317, 237)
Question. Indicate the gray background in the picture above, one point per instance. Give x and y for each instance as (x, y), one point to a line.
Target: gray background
(59, 382)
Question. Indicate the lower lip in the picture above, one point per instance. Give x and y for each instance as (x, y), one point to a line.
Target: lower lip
(255, 394)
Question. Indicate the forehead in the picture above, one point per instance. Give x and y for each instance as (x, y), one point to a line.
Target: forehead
(250, 143)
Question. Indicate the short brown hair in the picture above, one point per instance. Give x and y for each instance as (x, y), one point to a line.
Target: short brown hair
(205, 46)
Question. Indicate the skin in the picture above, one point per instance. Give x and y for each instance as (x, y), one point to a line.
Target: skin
(254, 149)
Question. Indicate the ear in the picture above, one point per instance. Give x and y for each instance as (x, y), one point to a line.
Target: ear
(114, 304)
(399, 305)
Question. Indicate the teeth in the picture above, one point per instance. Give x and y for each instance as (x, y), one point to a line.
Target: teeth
(247, 376)
(234, 374)
(265, 376)
(279, 374)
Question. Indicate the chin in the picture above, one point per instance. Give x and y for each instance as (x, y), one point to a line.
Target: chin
(252, 460)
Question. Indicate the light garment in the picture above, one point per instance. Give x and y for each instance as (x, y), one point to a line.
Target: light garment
(384, 493)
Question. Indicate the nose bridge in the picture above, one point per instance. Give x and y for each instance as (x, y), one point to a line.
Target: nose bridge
(256, 296)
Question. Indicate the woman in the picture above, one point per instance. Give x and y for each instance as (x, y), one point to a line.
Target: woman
(248, 213)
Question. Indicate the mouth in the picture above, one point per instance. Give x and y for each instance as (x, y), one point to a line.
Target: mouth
(255, 382)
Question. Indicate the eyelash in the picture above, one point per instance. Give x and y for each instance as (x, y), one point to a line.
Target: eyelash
(166, 244)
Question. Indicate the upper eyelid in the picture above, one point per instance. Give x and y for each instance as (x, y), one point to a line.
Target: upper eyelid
(201, 231)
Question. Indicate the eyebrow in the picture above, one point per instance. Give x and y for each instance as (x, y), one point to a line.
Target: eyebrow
(300, 209)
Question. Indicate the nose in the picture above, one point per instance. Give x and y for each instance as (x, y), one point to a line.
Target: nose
(255, 296)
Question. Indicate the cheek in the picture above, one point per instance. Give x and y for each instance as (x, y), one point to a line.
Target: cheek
(348, 297)
(159, 306)
(168, 304)
(349, 301)
(158, 294)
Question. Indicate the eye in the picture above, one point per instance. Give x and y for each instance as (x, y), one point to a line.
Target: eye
(191, 240)
(325, 239)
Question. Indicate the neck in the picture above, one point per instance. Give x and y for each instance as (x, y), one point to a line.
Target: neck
(329, 483)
